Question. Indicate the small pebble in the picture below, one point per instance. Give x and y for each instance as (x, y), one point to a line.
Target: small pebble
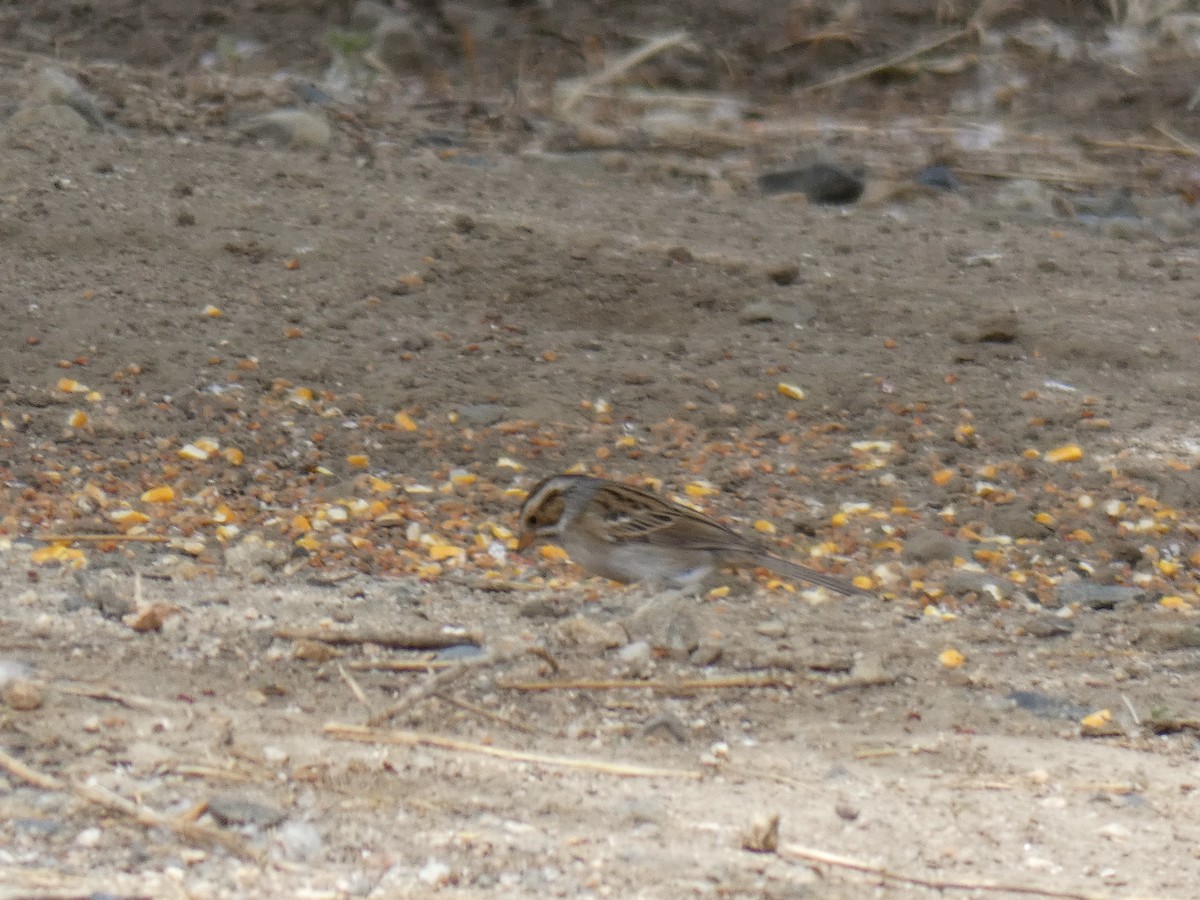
(821, 182)
(23, 695)
(588, 634)
(234, 809)
(666, 723)
(846, 811)
(89, 838)
(1098, 596)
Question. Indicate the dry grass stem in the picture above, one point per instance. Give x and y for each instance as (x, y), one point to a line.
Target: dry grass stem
(188, 831)
(420, 739)
(673, 686)
(577, 89)
(100, 538)
(397, 640)
(813, 855)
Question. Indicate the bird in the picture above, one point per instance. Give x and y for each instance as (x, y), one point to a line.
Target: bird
(629, 535)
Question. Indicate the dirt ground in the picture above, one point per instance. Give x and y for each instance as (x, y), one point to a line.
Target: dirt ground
(287, 387)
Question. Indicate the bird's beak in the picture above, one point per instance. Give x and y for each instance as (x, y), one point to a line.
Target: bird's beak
(524, 539)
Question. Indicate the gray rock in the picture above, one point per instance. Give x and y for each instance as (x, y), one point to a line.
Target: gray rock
(237, 810)
(928, 546)
(1000, 328)
(964, 581)
(792, 311)
(821, 182)
(299, 842)
(107, 591)
(480, 415)
(1098, 596)
(1048, 627)
(1016, 521)
(666, 624)
(48, 117)
(1030, 198)
(1168, 636)
(291, 128)
(1045, 706)
(255, 557)
(666, 724)
(588, 634)
(636, 658)
(55, 88)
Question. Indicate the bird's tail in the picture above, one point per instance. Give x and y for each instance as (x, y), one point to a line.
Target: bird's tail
(804, 573)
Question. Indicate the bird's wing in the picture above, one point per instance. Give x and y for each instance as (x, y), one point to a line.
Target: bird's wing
(633, 515)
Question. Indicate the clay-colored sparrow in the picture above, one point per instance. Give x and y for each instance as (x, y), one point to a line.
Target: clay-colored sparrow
(629, 535)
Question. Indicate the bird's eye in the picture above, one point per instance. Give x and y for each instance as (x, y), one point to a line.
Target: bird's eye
(548, 512)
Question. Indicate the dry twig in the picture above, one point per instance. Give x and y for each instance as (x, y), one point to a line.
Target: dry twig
(812, 854)
(674, 686)
(434, 684)
(486, 714)
(1051, 177)
(101, 538)
(114, 803)
(618, 67)
(108, 695)
(1172, 135)
(420, 739)
(400, 665)
(890, 62)
(355, 689)
(398, 640)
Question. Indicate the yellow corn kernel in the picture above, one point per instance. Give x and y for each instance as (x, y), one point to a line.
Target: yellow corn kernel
(1065, 453)
(764, 527)
(128, 517)
(59, 553)
(404, 421)
(358, 460)
(552, 552)
(233, 456)
(163, 494)
(1098, 719)
(791, 391)
(951, 659)
(193, 452)
(213, 312)
(446, 551)
(77, 419)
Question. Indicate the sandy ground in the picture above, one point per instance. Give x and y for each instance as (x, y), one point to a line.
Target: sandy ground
(390, 335)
